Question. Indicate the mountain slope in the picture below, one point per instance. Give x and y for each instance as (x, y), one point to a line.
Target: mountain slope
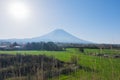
(60, 35)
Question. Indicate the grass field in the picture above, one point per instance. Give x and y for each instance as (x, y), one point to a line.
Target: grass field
(101, 68)
(103, 51)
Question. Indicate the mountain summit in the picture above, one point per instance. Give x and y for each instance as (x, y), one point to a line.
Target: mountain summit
(60, 35)
(57, 35)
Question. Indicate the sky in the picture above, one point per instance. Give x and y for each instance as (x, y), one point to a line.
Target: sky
(92, 20)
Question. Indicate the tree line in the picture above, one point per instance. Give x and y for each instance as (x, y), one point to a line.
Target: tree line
(49, 46)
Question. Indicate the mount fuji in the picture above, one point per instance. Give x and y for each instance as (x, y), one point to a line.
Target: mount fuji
(57, 35)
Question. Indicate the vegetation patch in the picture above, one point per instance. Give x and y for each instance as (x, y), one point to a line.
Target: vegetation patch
(32, 67)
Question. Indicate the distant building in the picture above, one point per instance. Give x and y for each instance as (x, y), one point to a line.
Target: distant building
(17, 47)
(4, 47)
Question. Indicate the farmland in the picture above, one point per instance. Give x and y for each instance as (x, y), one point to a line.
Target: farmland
(93, 67)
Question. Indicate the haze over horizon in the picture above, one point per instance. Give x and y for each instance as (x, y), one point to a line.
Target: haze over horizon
(91, 20)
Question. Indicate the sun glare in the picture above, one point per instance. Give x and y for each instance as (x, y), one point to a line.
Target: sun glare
(18, 10)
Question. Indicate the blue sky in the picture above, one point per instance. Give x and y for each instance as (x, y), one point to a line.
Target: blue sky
(92, 20)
